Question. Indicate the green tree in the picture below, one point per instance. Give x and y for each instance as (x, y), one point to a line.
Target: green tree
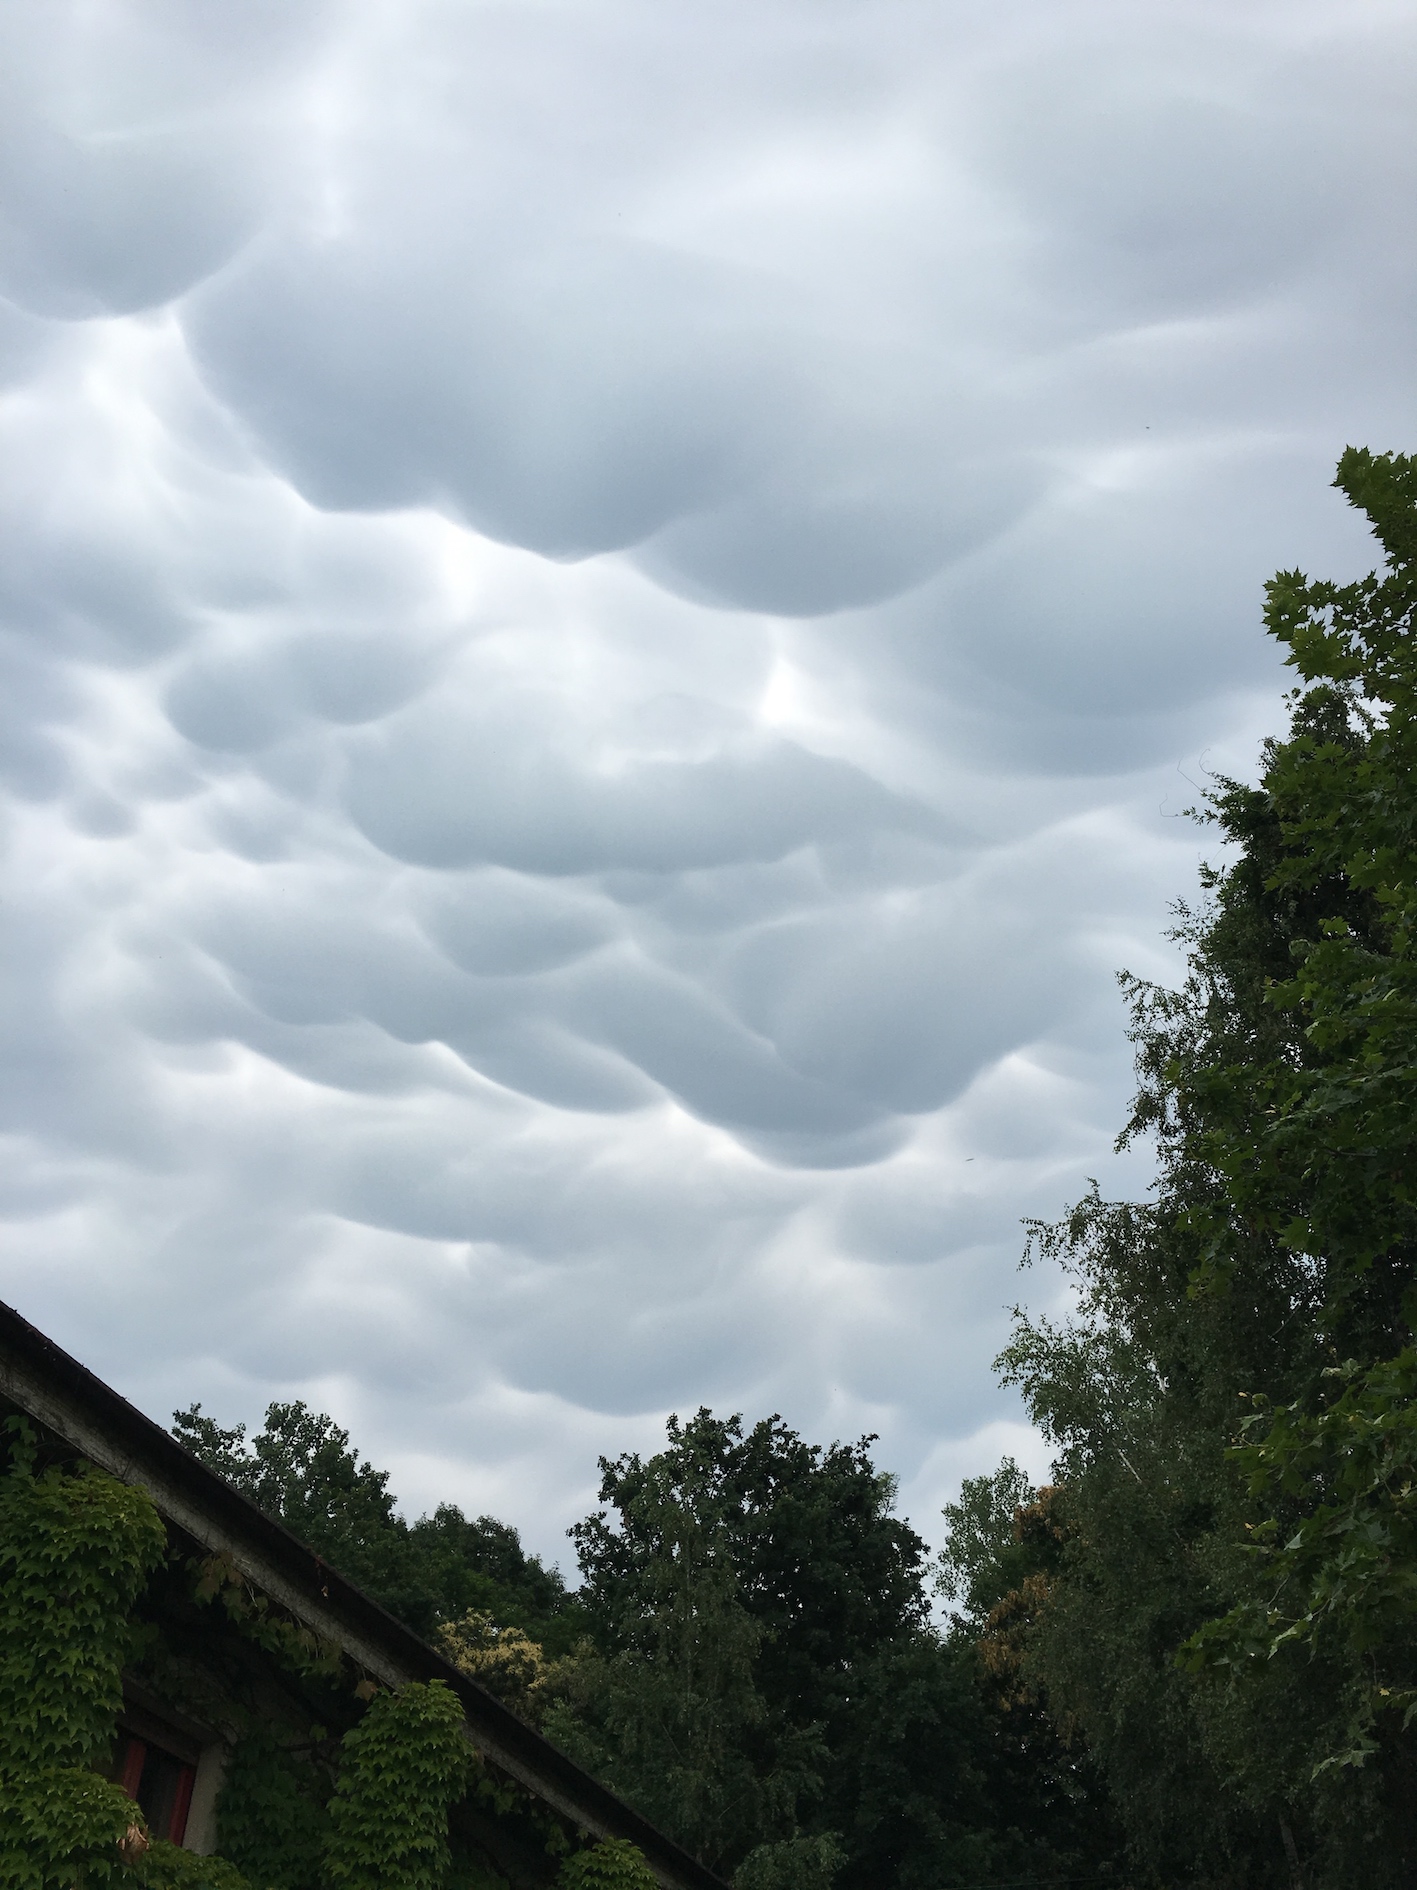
(1322, 1155)
(853, 1743)
(984, 1558)
(800, 1863)
(824, 1568)
(301, 1469)
(1231, 1621)
(470, 1564)
(670, 1711)
(1003, 1553)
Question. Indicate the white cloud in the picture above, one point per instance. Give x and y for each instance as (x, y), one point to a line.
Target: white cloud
(605, 620)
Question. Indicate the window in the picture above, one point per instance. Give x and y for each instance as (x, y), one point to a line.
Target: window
(157, 1767)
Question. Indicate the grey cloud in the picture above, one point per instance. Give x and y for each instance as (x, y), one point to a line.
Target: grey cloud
(468, 923)
(876, 1005)
(702, 1054)
(229, 705)
(34, 695)
(802, 549)
(246, 698)
(1092, 636)
(562, 381)
(24, 341)
(103, 225)
(567, 436)
(455, 783)
(127, 171)
(574, 1037)
(499, 924)
(1165, 193)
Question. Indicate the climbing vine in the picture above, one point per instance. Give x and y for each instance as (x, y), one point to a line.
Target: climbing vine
(218, 1582)
(77, 1549)
(402, 1767)
(165, 1866)
(613, 1864)
(273, 1813)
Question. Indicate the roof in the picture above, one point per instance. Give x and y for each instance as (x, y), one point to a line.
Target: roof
(60, 1393)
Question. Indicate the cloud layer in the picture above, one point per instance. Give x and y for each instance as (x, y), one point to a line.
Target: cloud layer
(606, 621)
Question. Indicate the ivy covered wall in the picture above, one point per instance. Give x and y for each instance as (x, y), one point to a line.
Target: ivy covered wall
(331, 1782)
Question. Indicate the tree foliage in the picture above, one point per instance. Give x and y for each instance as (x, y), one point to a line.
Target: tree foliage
(670, 1711)
(613, 1864)
(300, 1468)
(1231, 1618)
(766, 1683)
(821, 1565)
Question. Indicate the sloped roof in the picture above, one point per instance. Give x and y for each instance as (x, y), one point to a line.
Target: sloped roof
(63, 1395)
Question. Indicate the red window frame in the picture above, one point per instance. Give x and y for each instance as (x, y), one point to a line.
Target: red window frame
(143, 1760)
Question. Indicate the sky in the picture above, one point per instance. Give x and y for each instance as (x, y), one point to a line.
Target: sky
(609, 613)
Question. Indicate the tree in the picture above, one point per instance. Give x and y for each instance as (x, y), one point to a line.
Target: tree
(984, 1557)
(1328, 1164)
(301, 1469)
(1231, 1619)
(839, 1737)
(1002, 1555)
(671, 1712)
(824, 1568)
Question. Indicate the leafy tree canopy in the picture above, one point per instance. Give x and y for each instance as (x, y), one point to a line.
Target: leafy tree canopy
(1231, 1621)
(301, 1469)
(768, 1685)
(821, 1564)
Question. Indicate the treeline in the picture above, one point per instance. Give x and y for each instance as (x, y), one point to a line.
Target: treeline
(749, 1658)
(1217, 1599)
(301, 1469)
(1191, 1659)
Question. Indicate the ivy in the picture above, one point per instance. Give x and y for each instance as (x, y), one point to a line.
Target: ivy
(402, 1767)
(167, 1867)
(272, 1813)
(65, 1826)
(613, 1864)
(76, 1548)
(219, 1582)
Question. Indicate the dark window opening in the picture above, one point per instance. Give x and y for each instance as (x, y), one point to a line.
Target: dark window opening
(159, 1781)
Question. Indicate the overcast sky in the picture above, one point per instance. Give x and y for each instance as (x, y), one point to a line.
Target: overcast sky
(608, 610)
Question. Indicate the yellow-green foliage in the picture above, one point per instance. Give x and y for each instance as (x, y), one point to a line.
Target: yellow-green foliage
(613, 1864)
(505, 1660)
(401, 1768)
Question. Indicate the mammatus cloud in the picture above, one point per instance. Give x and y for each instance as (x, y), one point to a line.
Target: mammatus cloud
(607, 618)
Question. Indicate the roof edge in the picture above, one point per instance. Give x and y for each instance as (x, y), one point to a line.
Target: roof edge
(72, 1401)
